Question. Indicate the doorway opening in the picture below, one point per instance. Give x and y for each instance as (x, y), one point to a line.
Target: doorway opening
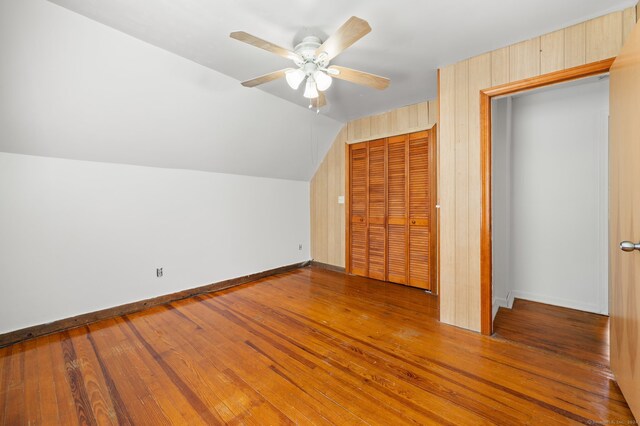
(486, 97)
(550, 217)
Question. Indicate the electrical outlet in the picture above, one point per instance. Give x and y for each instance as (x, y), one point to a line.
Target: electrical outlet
(299, 246)
(159, 272)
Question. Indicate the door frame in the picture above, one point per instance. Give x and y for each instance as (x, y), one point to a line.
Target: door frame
(486, 95)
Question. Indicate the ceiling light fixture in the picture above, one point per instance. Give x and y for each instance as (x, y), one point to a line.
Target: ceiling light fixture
(323, 80)
(295, 77)
(310, 90)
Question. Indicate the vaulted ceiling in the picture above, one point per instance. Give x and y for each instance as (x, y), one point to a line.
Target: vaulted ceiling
(73, 88)
(409, 41)
(159, 84)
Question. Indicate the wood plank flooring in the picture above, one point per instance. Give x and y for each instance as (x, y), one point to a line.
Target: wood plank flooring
(309, 346)
(566, 332)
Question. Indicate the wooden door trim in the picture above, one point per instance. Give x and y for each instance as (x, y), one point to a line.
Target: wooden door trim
(433, 212)
(347, 208)
(486, 95)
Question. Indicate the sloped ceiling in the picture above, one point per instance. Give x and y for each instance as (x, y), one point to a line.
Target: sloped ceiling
(158, 84)
(409, 41)
(72, 88)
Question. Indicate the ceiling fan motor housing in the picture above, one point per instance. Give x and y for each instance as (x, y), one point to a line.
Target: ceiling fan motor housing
(306, 50)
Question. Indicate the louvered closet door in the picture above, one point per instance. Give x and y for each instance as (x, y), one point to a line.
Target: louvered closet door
(397, 209)
(359, 195)
(419, 210)
(377, 210)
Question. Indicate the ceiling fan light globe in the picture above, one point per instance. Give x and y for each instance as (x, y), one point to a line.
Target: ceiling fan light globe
(310, 90)
(323, 80)
(294, 78)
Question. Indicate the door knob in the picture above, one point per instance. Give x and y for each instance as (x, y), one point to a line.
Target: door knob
(629, 246)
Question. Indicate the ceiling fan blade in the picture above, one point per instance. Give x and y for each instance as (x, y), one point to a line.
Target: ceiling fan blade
(350, 32)
(319, 102)
(265, 78)
(263, 44)
(359, 77)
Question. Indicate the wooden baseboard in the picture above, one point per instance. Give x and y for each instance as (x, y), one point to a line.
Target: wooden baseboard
(327, 266)
(129, 308)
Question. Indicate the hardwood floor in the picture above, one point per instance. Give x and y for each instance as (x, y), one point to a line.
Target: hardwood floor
(309, 346)
(566, 332)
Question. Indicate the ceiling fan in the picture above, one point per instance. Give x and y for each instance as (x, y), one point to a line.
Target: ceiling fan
(312, 58)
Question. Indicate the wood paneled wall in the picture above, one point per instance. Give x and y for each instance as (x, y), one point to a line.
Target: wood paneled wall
(327, 216)
(459, 143)
(408, 119)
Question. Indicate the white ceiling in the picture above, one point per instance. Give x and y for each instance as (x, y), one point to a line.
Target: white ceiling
(72, 88)
(409, 41)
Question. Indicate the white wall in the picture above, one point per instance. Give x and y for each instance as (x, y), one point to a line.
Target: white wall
(73, 88)
(550, 246)
(78, 236)
(501, 198)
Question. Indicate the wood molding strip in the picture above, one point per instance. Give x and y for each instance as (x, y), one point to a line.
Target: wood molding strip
(391, 134)
(32, 332)
(486, 258)
(556, 77)
(327, 267)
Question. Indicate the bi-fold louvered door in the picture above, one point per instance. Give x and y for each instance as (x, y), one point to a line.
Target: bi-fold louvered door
(391, 209)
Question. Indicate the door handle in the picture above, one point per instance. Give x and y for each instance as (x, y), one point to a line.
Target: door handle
(629, 246)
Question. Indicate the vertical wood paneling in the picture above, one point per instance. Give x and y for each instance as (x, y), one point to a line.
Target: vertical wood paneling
(461, 116)
(479, 78)
(323, 224)
(500, 66)
(459, 159)
(380, 124)
(628, 22)
(313, 216)
(331, 193)
(363, 130)
(603, 37)
(447, 196)
(333, 190)
(524, 59)
(413, 116)
(423, 114)
(338, 246)
(359, 129)
(552, 52)
(400, 120)
(327, 216)
(352, 128)
(575, 46)
(433, 113)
